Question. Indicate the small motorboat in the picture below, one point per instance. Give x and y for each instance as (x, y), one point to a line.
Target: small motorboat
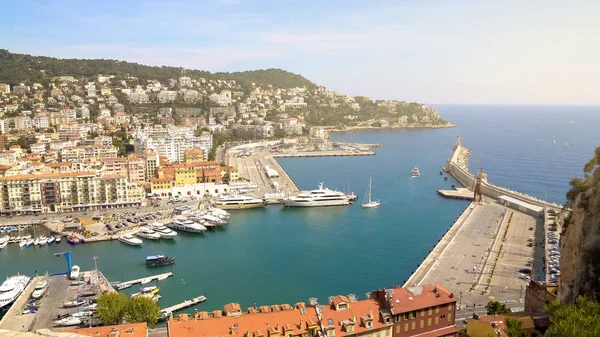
(159, 260)
(23, 243)
(415, 173)
(68, 321)
(74, 303)
(3, 242)
(29, 310)
(36, 241)
(82, 313)
(445, 178)
(74, 274)
(146, 281)
(149, 289)
(57, 239)
(51, 240)
(130, 240)
(30, 242)
(147, 233)
(77, 283)
(43, 240)
(40, 290)
(72, 239)
(123, 286)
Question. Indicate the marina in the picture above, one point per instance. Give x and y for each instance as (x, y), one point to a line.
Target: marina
(165, 312)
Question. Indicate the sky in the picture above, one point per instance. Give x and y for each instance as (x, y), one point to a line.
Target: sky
(435, 52)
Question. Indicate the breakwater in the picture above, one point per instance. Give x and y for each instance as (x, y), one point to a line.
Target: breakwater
(458, 167)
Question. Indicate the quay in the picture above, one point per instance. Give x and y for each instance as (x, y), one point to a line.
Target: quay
(182, 305)
(323, 154)
(144, 280)
(481, 256)
(49, 307)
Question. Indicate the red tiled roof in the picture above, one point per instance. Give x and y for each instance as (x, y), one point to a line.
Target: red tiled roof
(431, 295)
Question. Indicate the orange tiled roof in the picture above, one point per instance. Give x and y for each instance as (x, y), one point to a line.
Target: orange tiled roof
(253, 324)
(125, 330)
(357, 314)
(232, 307)
(404, 301)
(340, 299)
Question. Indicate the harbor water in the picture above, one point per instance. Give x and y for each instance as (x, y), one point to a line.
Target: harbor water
(277, 255)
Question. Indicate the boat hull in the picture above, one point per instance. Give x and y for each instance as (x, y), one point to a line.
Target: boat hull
(240, 206)
(324, 203)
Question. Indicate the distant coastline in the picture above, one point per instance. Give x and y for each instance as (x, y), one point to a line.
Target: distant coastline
(390, 127)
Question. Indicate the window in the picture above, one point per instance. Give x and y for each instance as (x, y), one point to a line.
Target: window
(429, 321)
(331, 333)
(388, 332)
(422, 313)
(437, 320)
(437, 309)
(342, 306)
(350, 328)
(398, 329)
(413, 325)
(369, 324)
(430, 311)
(397, 318)
(449, 317)
(443, 317)
(449, 306)
(405, 327)
(330, 321)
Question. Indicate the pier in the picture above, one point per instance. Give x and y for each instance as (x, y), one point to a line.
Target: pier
(459, 193)
(144, 280)
(183, 305)
(323, 154)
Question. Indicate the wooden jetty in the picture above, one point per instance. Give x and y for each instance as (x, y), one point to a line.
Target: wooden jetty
(182, 305)
(159, 277)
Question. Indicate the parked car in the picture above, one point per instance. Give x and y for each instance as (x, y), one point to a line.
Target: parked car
(525, 270)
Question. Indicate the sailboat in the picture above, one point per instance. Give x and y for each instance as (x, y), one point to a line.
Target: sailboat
(367, 202)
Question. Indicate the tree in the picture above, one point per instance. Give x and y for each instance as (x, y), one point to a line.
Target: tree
(141, 309)
(111, 307)
(579, 319)
(514, 327)
(495, 307)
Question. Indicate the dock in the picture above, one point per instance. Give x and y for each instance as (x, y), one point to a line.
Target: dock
(148, 279)
(183, 305)
(459, 193)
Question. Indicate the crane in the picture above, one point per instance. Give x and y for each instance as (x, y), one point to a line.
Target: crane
(67, 256)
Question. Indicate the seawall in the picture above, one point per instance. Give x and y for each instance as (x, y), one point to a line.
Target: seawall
(458, 168)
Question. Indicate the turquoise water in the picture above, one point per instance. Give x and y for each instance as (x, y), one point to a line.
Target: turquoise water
(281, 255)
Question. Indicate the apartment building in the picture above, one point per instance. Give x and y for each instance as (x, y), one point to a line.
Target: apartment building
(81, 153)
(68, 191)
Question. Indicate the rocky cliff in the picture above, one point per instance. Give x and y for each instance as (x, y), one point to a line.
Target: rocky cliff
(580, 247)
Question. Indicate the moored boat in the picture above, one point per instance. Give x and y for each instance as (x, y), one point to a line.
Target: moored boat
(74, 303)
(57, 239)
(40, 289)
(147, 233)
(72, 239)
(12, 288)
(149, 289)
(23, 243)
(68, 321)
(30, 242)
(319, 197)
(186, 226)
(159, 260)
(43, 240)
(415, 172)
(130, 240)
(239, 202)
(3, 242)
(163, 231)
(51, 240)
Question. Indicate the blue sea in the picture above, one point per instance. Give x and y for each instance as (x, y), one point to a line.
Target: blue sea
(279, 255)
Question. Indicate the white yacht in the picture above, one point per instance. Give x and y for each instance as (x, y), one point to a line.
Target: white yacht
(239, 202)
(222, 214)
(130, 240)
(147, 233)
(415, 172)
(23, 243)
(205, 216)
(163, 231)
(43, 240)
(12, 288)
(74, 274)
(40, 289)
(186, 226)
(51, 240)
(4, 242)
(319, 197)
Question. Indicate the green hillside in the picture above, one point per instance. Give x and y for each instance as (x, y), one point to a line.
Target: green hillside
(16, 68)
